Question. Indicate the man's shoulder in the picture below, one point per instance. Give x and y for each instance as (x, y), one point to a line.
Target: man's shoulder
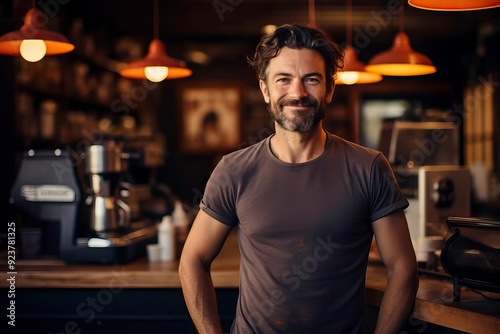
(250, 152)
(354, 148)
(246, 158)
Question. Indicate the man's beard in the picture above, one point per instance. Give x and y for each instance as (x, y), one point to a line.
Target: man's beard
(298, 123)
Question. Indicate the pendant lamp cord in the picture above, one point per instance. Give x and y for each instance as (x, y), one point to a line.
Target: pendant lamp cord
(156, 20)
(312, 14)
(348, 31)
(402, 17)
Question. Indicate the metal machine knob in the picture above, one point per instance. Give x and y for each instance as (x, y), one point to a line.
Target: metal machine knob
(444, 193)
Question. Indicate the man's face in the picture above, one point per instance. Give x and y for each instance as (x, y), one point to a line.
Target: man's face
(295, 89)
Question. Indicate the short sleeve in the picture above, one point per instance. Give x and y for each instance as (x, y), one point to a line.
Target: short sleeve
(386, 196)
(219, 197)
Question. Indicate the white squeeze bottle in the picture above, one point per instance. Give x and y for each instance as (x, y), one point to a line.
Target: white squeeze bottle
(181, 224)
(166, 238)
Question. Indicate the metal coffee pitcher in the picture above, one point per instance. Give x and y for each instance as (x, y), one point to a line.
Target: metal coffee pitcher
(108, 214)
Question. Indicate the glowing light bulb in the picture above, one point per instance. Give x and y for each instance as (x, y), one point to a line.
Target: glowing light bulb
(156, 73)
(349, 77)
(33, 49)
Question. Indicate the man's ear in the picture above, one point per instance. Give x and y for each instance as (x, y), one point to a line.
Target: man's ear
(329, 95)
(264, 90)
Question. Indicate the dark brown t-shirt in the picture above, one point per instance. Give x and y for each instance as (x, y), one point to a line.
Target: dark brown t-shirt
(304, 232)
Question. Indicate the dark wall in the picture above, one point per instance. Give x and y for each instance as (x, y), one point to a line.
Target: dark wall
(7, 136)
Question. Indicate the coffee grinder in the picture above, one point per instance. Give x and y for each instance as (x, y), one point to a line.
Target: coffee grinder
(48, 190)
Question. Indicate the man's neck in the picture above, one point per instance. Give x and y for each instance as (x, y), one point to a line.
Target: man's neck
(296, 147)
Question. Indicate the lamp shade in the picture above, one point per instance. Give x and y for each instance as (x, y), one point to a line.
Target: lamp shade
(354, 71)
(454, 5)
(156, 58)
(401, 60)
(55, 43)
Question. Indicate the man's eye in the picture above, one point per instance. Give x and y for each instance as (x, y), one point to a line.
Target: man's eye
(312, 80)
(282, 80)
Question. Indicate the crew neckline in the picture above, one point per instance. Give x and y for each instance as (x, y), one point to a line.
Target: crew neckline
(328, 146)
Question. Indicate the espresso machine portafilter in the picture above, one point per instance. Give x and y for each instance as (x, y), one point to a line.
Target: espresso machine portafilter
(104, 167)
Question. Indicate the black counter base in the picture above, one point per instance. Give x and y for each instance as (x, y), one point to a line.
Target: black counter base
(118, 309)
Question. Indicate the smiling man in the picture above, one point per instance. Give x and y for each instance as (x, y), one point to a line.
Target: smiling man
(306, 204)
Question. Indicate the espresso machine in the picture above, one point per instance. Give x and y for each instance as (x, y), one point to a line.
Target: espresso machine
(425, 159)
(76, 204)
(471, 254)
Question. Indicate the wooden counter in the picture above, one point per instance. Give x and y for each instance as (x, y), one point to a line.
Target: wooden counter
(136, 274)
(434, 305)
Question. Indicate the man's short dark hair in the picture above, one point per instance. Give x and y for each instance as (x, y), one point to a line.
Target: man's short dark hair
(297, 37)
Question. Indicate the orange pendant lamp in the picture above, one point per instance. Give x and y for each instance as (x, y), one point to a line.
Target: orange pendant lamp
(401, 59)
(33, 41)
(454, 5)
(354, 71)
(157, 65)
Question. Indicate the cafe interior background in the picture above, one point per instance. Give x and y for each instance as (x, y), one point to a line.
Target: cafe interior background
(95, 156)
(73, 99)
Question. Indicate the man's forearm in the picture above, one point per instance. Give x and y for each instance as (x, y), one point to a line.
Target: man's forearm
(398, 300)
(199, 294)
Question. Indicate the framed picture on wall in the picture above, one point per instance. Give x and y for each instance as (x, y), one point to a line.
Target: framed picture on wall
(210, 118)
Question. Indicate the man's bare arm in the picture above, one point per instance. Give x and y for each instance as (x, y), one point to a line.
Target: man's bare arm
(203, 244)
(397, 253)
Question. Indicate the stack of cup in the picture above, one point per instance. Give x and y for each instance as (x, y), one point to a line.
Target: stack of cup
(154, 253)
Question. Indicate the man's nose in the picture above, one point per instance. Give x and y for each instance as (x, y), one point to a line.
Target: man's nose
(297, 90)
